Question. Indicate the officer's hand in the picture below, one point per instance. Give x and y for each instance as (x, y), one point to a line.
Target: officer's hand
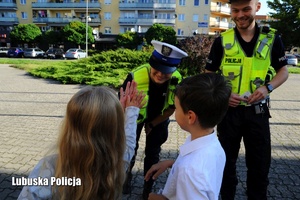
(147, 129)
(235, 100)
(258, 95)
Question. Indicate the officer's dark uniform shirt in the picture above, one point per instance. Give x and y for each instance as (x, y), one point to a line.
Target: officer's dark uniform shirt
(216, 54)
(157, 95)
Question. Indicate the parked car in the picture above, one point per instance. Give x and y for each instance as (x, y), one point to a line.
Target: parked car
(75, 54)
(15, 52)
(33, 53)
(54, 53)
(291, 59)
(3, 51)
(298, 56)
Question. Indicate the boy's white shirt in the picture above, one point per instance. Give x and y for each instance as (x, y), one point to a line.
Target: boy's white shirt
(198, 171)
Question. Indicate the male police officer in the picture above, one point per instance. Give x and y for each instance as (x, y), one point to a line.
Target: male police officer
(158, 80)
(244, 55)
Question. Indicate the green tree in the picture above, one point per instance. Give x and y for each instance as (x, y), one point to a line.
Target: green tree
(197, 48)
(25, 33)
(53, 37)
(287, 15)
(129, 40)
(75, 32)
(161, 33)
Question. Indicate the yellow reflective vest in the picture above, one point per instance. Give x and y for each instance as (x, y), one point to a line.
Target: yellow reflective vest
(142, 76)
(246, 73)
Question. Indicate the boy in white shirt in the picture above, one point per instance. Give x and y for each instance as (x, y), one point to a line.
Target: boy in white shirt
(201, 102)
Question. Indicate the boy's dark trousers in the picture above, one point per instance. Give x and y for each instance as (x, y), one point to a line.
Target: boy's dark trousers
(154, 140)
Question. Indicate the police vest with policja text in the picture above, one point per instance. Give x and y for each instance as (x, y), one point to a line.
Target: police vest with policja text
(247, 73)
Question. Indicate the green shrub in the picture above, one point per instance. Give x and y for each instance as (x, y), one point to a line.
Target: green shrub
(108, 68)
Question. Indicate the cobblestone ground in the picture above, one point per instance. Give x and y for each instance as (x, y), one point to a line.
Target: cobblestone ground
(31, 110)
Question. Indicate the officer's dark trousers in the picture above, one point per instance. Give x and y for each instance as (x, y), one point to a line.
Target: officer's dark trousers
(154, 140)
(242, 122)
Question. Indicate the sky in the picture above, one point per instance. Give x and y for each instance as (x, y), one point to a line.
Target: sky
(264, 10)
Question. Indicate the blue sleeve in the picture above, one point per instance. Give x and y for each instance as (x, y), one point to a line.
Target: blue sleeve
(278, 59)
(131, 115)
(44, 170)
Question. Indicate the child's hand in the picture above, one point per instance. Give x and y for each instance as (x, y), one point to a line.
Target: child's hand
(129, 92)
(158, 169)
(136, 100)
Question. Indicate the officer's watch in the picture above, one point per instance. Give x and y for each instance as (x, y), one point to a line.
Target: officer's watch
(269, 88)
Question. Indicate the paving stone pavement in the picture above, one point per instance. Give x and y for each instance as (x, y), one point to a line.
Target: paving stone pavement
(31, 110)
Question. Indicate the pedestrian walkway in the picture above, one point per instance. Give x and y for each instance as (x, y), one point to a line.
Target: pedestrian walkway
(31, 110)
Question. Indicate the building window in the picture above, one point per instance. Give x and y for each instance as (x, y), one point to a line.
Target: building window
(180, 17)
(107, 30)
(24, 15)
(196, 2)
(205, 17)
(107, 15)
(206, 2)
(107, 2)
(23, 2)
(182, 2)
(94, 15)
(195, 18)
(125, 29)
(163, 16)
(179, 32)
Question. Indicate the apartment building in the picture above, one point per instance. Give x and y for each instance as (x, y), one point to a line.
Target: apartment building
(111, 17)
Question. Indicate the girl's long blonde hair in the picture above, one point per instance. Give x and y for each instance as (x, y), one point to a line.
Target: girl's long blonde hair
(91, 146)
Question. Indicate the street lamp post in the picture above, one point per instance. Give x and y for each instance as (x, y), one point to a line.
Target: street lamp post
(86, 27)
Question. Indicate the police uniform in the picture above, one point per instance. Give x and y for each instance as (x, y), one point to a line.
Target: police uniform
(250, 122)
(165, 58)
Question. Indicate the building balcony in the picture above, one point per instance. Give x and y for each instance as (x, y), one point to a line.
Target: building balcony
(62, 5)
(127, 21)
(147, 6)
(145, 21)
(65, 20)
(220, 10)
(220, 25)
(9, 20)
(8, 6)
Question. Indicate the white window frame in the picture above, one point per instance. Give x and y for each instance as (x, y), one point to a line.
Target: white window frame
(181, 17)
(24, 15)
(182, 2)
(107, 15)
(195, 17)
(107, 30)
(205, 17)
(180, 32)
(107, 2)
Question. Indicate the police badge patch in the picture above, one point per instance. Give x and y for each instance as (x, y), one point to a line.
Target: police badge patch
(166, 51)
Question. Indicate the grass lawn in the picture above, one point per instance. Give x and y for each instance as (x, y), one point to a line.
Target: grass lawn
(28, 64)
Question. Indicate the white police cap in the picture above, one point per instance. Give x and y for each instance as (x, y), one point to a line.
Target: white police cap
(166, 57)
